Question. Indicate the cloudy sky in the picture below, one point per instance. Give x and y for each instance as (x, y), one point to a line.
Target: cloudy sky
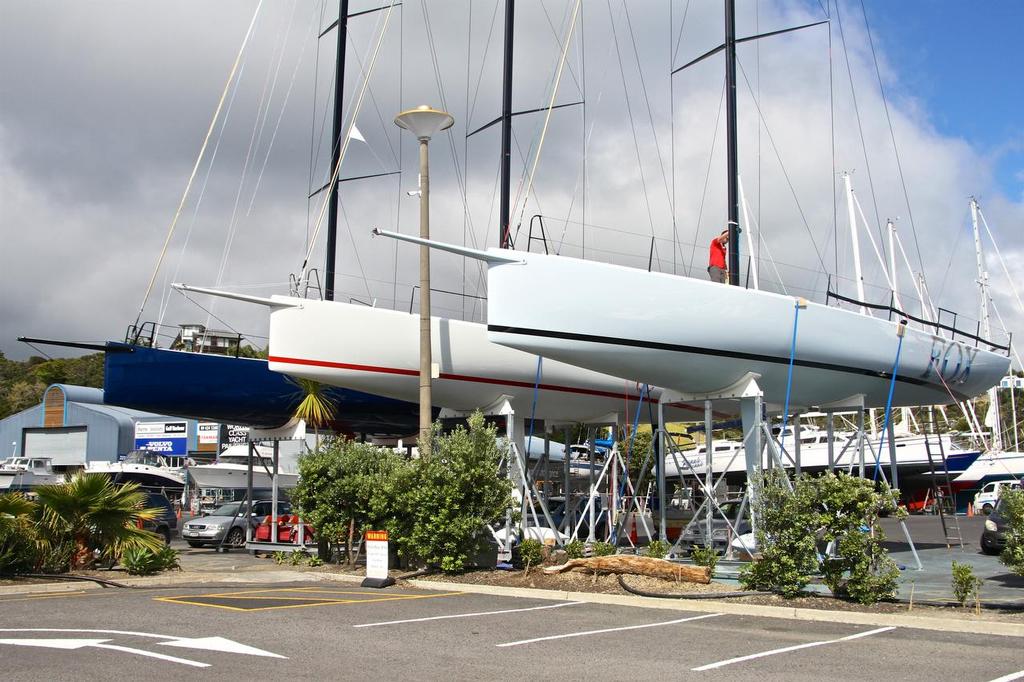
(104, 107)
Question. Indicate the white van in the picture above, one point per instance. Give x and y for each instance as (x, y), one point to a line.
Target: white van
(986, 498)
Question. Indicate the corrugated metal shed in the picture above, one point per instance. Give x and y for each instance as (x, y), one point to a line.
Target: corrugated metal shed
(68, 416)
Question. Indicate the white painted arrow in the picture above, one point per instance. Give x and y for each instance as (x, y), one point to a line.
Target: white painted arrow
(71, 644)
(55, 643)
(208, 643)
(219, 644)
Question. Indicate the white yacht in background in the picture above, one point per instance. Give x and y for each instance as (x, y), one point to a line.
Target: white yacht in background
(24, 473)
(911, 455)
(231, 470)
(148, 469)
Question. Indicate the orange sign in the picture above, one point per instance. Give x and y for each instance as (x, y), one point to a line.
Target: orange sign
(376, 536)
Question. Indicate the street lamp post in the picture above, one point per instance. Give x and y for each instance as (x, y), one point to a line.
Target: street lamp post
(424, 122)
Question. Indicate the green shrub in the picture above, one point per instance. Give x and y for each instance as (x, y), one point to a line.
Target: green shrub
(346, 487)
(315, 561)
(145, 561)
(966, 585)
(451, 495)
(298, 558)
(280, 557)
(574, 549)
(705, 556)
(827, 509)
(531, 553)
(785, 539)
(1011, 508)
(657, 549)
(602, 549)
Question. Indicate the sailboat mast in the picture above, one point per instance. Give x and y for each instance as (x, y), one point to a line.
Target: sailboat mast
(731, 148)
(504, 232)
(986, 326)
(339, 94)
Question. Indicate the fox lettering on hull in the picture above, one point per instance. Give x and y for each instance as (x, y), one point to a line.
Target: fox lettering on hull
(950, 361)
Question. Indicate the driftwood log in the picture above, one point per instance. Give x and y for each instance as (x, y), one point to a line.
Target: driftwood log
(637, 565)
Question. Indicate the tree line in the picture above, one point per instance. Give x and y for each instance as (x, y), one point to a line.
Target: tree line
(22, 382)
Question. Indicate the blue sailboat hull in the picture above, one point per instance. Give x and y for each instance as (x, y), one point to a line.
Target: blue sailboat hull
(235, 391)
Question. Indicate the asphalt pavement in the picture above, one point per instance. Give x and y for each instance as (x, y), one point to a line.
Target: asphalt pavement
(339, 631)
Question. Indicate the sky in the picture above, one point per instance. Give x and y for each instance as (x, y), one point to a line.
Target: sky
(104, 107)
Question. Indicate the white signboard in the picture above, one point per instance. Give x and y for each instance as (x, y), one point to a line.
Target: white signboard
(376, 554)
(209, 433)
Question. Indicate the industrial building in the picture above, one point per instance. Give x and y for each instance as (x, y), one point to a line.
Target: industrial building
(72, 427)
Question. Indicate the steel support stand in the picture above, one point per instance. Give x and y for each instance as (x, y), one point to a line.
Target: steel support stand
(891, 435)
(796, 443)
(708, 467)
(659, 461)
(273, 492)
(830, 431)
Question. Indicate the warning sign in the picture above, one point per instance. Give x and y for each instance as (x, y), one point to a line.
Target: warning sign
(376, 554)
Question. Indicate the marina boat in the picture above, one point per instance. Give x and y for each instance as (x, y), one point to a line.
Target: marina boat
(911, 456)
(989, 467)
(231, 471)
(327, 341)
(622, 328)
(626, 322)
(25, 473)
(148, 469)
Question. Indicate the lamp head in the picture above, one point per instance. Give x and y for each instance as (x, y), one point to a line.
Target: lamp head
(424, 121)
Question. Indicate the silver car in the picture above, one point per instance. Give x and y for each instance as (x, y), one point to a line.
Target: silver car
(227, 522)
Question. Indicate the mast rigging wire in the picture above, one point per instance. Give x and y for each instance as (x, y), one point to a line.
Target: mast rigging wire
(551, 104)
(199, 159)
(347, 138)
(707, 175)
(860, 126)
(629, 113)
(892, 136)
(785, 172)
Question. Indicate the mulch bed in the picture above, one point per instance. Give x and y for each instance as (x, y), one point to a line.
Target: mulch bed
(583, 581)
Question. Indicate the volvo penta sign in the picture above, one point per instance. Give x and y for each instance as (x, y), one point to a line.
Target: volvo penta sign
(167, 438)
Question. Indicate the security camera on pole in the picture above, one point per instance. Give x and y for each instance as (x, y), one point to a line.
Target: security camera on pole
(424, 122)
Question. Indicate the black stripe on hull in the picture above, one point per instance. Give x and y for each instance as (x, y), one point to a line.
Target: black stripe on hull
(718, 352)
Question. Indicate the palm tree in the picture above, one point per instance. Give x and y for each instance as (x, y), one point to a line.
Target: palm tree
(94, 513)
(18, 548)
(315, 408)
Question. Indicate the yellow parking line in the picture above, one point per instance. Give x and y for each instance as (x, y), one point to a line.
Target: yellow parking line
(176, 600)
(189, 599)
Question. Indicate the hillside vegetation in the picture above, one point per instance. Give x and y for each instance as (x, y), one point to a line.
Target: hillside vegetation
(22, 383)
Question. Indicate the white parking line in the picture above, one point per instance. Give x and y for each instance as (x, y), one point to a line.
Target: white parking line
(1012, 676)
(601, 632)
(772, 652)
(466, 615)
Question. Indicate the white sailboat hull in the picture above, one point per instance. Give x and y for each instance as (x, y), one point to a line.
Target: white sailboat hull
(696, 336)
(235, 476)
(911, 452)
(377, 351)
(145, 475)
(24, 480)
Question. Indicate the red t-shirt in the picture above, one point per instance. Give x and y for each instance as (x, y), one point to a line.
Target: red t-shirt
(717, 257)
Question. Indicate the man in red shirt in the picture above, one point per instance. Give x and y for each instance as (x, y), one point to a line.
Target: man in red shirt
(716, 260)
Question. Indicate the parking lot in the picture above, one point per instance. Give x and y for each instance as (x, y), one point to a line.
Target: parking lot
(337, 630)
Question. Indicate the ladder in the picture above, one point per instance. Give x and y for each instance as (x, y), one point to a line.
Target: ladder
(942, 491)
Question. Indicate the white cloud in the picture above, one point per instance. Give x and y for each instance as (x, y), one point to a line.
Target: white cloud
(100, 124)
